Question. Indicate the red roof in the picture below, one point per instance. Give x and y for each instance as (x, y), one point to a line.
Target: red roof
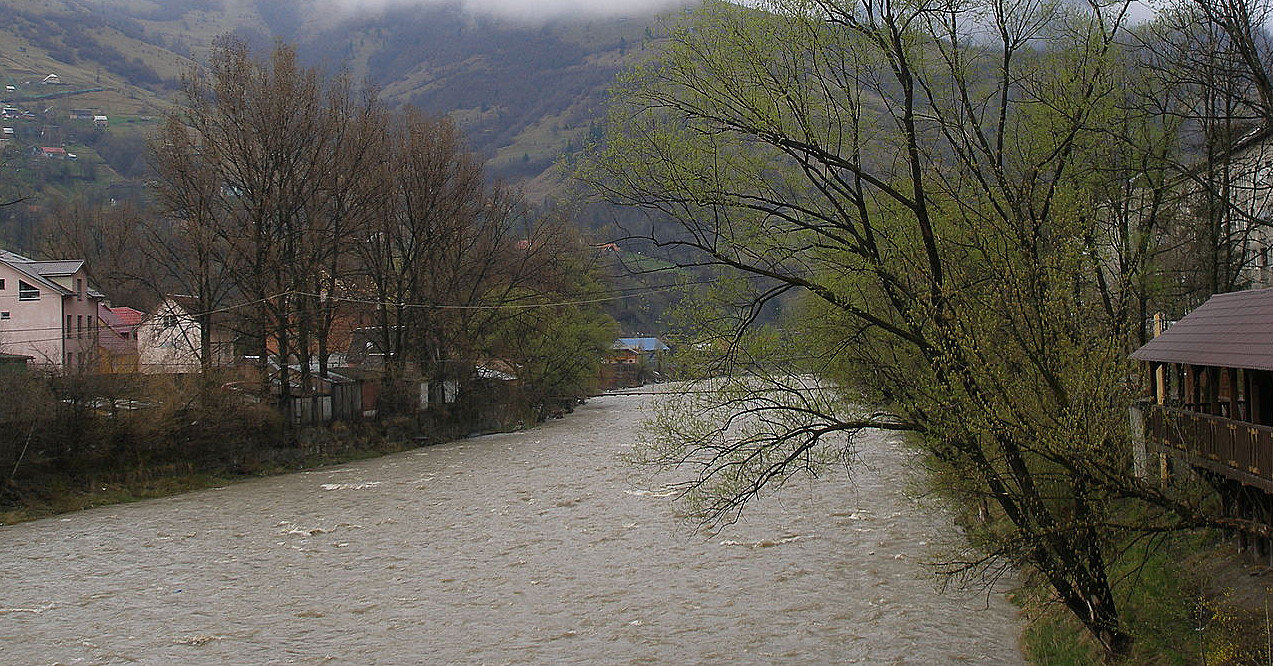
(122, 342)
(122, 321)
(128, 316)
(53, 151)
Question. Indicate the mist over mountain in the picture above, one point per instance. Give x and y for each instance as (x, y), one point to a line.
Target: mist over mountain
(527, 10)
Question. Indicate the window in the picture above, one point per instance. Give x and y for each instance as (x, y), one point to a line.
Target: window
(27, 293)
(1, 284)
(69, 323)
(79, 289)
(79, 326)
(4, 315)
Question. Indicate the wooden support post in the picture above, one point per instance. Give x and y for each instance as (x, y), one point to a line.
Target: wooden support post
(1262, 515)
(1175, 385)
(1251, 412)
(1231, 383)
(1268, 520)
(1255, 499)
(1242, 512)
(1226, 504)
(1193, 388)
(1160, 372)
(1213, 390)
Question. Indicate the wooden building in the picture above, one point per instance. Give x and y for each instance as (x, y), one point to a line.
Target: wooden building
(1212, 405)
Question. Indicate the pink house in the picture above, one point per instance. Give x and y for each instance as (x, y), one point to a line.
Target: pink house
(48, 312)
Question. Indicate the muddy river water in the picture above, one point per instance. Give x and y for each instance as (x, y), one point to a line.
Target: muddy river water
(534, 547)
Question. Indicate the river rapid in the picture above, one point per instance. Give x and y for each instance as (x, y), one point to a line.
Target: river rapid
(540, 546)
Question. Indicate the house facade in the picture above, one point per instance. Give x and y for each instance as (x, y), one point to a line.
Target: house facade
(117, 339)
(633, 362)
(168, 339)
(48, 311)
(1239, 185)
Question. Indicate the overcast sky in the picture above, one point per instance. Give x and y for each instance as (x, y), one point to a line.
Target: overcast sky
(533, 9)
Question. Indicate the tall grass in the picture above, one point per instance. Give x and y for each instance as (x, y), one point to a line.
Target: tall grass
(1175, 616)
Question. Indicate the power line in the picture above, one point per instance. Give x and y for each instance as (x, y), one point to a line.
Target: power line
(60, 327)
(503, 306)
(430, 306)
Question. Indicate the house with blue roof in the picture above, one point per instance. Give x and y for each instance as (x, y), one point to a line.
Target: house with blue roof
(633, 362)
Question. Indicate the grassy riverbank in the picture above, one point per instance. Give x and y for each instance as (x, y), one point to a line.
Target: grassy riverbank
(49, 495)
(1187, 600)
(70, 443)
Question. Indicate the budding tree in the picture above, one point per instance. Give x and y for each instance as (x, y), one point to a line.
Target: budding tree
(941, 190)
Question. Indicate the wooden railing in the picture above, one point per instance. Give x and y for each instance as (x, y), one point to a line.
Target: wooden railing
(1236, 449)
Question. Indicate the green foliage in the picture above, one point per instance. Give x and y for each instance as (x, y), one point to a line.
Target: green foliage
(557, 353)
(1174, 618)
(554, 333)
(950, 215)
(739, 437)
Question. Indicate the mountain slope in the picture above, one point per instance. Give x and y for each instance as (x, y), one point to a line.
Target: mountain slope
(524, 92)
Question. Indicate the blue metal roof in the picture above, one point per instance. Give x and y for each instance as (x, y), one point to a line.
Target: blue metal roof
(641, 344)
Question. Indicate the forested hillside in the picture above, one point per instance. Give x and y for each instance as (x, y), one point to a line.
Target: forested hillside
(523, 91)
(93, 80)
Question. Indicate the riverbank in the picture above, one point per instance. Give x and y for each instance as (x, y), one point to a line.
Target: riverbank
(82, 442)
(1193, 600)
(51, 496)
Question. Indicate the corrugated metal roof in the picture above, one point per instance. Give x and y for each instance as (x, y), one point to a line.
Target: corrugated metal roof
(640, 344)
(1233, 330)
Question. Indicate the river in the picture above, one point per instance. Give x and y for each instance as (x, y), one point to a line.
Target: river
(540, 546)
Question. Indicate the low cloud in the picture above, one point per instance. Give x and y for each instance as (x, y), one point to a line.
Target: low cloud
(528, 9)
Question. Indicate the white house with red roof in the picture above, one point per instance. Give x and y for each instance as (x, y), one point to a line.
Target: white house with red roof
(48, 311)
(51, 152)
(168, 339)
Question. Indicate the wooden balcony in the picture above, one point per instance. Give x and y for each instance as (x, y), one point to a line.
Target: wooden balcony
(1235, 449)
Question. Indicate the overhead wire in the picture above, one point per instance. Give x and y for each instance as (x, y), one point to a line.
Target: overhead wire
(433, 306)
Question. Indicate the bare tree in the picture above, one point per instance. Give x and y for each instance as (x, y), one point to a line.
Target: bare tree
(107, 237)
(1210, 58)
(431, 191)
(190, 240)
(255, 159)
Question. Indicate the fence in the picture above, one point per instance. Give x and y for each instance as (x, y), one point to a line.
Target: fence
(1217, 442)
